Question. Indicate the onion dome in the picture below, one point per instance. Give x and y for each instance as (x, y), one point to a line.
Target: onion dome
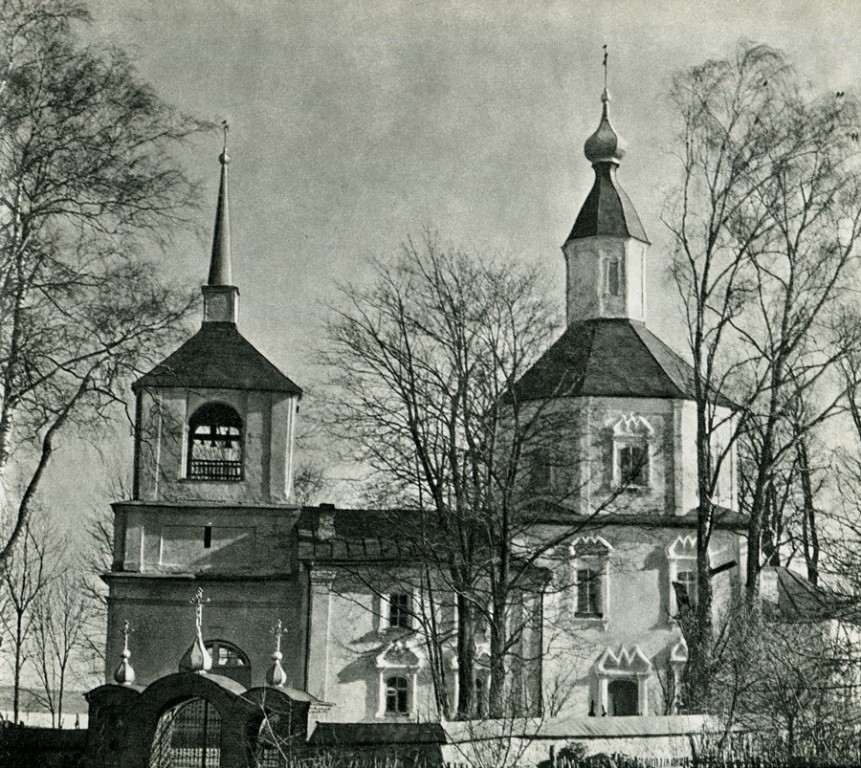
(124, 673)
(607, 210)
(605, 145)
(197, 658)
(275, 675)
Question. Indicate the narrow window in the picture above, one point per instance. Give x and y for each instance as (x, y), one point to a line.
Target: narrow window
(589, 592)
(687, 586)
(614, 277)
(207, 537)
(400, 613)
(397, 696)
(634, 466)
(215, 444)
(541, 473)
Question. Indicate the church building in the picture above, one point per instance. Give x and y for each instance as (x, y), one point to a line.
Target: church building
(212, 510)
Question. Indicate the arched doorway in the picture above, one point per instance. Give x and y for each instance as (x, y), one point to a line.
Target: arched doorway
(623, 696)
(188, 735)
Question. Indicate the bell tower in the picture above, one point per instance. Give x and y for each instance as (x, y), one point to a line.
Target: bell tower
(211, 495)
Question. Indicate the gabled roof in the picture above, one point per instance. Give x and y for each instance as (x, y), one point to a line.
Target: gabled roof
(218, 357)
(607, 210)
(609, 358)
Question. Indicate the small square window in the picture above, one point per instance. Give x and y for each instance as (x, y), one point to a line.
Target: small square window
(400, 610)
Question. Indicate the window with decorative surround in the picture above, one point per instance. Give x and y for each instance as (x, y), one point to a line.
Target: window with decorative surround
(682, 570)
(633, 438)
(591, 558)
(622, 682)
(398, 668)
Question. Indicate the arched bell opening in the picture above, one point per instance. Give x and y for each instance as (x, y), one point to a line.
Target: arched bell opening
(215, 444)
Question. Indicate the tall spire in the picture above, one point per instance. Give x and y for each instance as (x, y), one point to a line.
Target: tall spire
(220, 267)
(220, 296)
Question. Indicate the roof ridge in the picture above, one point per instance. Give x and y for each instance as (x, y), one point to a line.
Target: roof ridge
(682, 392)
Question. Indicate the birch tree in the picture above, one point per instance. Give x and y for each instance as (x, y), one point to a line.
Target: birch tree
(88, 183)
(765, 226)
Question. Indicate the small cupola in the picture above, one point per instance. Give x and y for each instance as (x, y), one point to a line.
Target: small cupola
(606, 248)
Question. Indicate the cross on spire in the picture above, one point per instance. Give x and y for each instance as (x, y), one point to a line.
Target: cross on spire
(126, 632)
(198, 601)
(605, 65)
(124, 673)
(279, 632)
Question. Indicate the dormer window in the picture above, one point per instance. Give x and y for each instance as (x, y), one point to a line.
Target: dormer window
(215, 444)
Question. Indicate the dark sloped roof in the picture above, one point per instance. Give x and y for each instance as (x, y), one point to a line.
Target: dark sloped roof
(397, 535)
(550, 513)
(218, 357)
(609, 358)
(607, 210)
(800, 600)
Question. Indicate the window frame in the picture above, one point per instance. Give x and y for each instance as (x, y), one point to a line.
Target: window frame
(399, 695)
(614, 272)
(241, 672)
(681, 557)
(633, 432)
(592, 554)
(384, 618)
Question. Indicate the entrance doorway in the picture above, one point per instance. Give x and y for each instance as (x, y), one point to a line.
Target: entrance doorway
(188, 735)
(623, 695)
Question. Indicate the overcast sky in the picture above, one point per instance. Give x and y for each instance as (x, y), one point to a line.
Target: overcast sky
(356, 123)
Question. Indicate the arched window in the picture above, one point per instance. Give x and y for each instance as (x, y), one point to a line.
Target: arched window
(230, 661)
(215, 444)
(397, 695)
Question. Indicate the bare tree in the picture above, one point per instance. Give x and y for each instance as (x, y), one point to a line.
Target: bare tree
(26, 577)
(86, 178)
(425, 360)
(426, 364)
(61, 616)
(765, 227)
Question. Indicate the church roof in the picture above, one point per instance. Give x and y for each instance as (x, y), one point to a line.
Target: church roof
(607, 210)
(218, 357)
(609, 358)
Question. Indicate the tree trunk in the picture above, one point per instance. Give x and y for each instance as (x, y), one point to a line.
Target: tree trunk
(808, 513)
